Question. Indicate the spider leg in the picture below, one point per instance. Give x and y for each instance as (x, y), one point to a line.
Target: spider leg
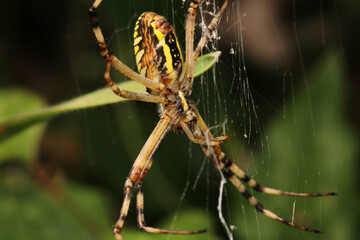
(191, 55)
(124, 209)
(221, 157)
(128, 94)
(258, 187)
(234, 173)
(189, 41)
(210, 28)
(140, 208)
(141, 216)
(138, 172)
(211, 142)
(255, 203)
(222, 138)
(114, 61)
(140, 168)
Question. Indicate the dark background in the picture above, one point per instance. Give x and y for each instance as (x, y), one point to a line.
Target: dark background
(302, 66)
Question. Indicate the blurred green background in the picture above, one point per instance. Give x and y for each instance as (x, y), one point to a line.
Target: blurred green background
(63, 179)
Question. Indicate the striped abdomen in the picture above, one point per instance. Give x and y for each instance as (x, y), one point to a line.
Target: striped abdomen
(157, 52)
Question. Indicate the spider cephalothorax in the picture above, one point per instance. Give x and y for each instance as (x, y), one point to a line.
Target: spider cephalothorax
(159, 62)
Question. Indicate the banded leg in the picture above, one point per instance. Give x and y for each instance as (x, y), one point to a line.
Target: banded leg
(256, 204)
(138, 172)
(258, 187)
(234, 173)
(140, 168)
(128, 94)
(221, 158)
(115, 62)
(141, 217)
(124, 209)
(140, 208)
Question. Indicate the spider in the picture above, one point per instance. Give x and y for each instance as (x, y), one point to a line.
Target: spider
(159, 62)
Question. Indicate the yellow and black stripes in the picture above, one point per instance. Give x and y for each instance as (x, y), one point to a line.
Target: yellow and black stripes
(157, 51)
(139, 46)
(173, 47)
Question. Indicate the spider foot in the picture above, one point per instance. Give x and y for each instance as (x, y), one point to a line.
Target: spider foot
(222, 138)
(163, 231)
(116, 232)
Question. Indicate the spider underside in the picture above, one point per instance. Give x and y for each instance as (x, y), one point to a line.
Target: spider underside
(160, 63)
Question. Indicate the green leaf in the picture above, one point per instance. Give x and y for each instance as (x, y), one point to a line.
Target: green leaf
(97, 98)
(22, 146)
(14, 122)
(205, 62)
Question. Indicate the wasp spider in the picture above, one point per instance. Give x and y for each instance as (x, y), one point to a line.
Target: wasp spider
(160, 63)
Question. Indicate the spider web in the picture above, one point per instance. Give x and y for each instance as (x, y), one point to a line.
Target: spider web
(236, 31)
(236, 98)
(280, 90)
